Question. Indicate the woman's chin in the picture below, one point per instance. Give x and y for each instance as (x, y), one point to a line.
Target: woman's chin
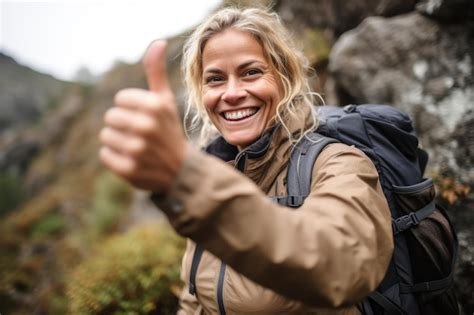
(241, 139)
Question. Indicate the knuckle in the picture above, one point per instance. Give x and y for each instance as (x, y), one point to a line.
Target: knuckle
(119, 164)
(123, 95)
(102, 135)
(166, 108)
(106, 117)
(138, 147)
(153, 104)
(103, 138)
(110, 116)
(160, 103)
(167, 98)
(107, 136)
(120, 96)
(103, 155)
(147, 126)
(129, 169)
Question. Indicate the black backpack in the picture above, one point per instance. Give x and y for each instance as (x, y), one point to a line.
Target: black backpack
(419, 280)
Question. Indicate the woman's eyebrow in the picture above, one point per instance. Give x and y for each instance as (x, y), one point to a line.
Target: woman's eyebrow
(248, 63)
(239, 67)
(212, 70)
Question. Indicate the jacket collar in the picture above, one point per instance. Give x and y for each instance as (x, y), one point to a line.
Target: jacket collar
(228, 152)
(266, 158)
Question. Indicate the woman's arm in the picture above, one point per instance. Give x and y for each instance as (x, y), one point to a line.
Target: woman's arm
(332, 251)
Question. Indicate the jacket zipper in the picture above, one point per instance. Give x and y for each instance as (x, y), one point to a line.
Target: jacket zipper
(240, 165)
(220, 289)
(240, 161)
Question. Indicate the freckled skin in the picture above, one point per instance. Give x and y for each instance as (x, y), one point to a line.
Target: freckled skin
(237, 76)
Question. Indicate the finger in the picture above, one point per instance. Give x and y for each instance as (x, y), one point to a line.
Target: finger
(155, 67)
(117, 163)
(131, 121)
(125, 143)
(127, 168)
(138, 99)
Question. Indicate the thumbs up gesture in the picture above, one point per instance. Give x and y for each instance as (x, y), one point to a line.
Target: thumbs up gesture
(143, 140)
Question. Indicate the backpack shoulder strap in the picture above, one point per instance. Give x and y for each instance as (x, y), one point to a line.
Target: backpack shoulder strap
(194, 267)
(300, 168)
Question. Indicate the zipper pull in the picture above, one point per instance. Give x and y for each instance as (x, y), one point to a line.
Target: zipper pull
(350, 108)
(240, 161)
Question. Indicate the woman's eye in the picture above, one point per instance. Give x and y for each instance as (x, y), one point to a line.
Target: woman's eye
(213, 79)
(252, 72)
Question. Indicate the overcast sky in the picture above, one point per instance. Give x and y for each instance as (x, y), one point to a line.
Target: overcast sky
(58, 37)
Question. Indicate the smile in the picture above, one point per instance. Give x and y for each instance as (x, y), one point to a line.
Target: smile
(239, 114)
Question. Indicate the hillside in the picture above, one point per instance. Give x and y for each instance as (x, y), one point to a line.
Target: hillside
(25, 94)
(60, 199)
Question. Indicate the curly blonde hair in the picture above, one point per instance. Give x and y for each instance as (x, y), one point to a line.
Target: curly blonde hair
(289, 64)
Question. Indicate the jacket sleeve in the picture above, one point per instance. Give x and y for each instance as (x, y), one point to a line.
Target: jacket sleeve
(331, 252)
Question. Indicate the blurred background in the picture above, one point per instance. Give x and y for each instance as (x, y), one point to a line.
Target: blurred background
(76, 239)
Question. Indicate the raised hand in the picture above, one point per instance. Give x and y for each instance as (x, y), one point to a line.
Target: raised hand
(143, 139)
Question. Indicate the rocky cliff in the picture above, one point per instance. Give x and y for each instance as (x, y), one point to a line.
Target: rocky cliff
(25, 94)
(415, 55)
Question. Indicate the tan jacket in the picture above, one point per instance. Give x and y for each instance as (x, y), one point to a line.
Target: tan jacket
(322, 258)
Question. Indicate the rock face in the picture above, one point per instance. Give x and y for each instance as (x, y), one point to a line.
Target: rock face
(18, 156)
(338, 16)
(464, 272)
(28, 99)
(416, 55)
(24, 94)
(422, 67)
(448, 11)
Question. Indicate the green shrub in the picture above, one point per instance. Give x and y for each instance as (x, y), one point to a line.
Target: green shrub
(135, 273)
(111, 200)
(11, 192)
(50, 225)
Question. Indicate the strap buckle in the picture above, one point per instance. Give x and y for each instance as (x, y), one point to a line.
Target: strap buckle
(289, 201)
(405, 222)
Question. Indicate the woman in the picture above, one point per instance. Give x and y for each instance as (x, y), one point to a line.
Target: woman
(247, 81)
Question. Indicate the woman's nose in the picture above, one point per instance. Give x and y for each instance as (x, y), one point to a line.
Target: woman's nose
(234, 92)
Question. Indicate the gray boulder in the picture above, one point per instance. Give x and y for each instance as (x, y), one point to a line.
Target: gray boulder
(420, 66)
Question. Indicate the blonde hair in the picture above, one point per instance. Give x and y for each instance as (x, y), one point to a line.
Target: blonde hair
(289, 64)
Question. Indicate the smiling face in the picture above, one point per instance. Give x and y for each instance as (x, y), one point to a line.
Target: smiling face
(240, 88)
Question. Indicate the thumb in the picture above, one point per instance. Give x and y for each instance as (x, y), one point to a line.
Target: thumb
(155, 67)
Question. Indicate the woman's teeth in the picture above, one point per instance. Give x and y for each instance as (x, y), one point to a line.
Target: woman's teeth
(240, 114)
